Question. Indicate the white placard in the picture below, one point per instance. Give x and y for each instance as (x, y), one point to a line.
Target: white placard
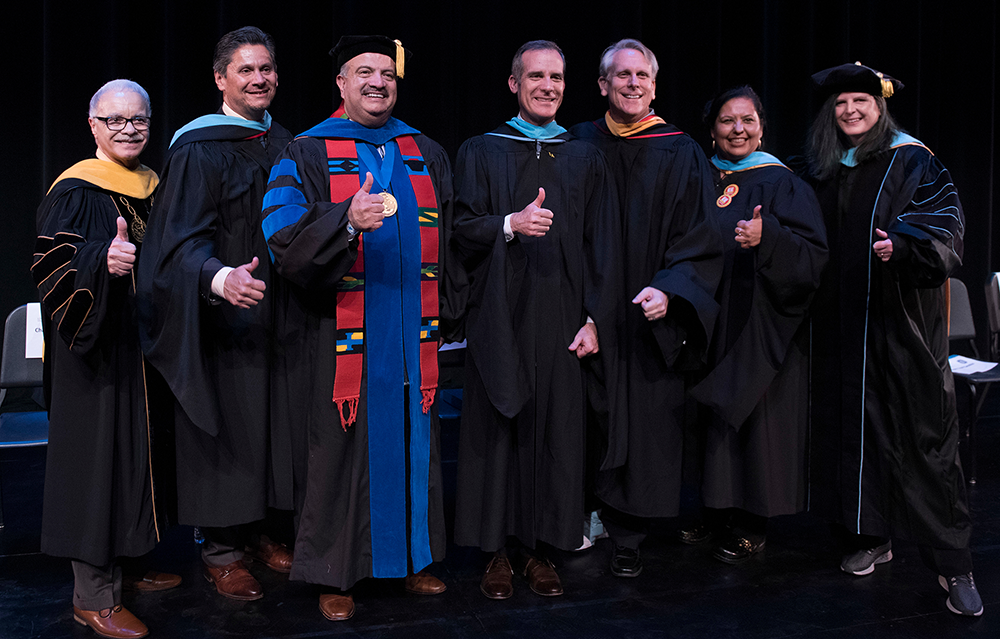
(34, 340)
(968, 366)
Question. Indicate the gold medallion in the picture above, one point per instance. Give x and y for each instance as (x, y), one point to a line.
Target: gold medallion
(732, 190)
(723, 201)
(390, 203)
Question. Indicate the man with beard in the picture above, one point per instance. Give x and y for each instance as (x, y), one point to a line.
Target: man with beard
(673, 260)
(353, 219)
(100, 504)
(536, 226)
(206, 320)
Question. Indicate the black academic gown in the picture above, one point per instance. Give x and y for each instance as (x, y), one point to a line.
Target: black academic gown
(522, 446)
(672, 243)
(98, 498)
(757, 389)
(333, 544)
(231, 465)
(884, 419)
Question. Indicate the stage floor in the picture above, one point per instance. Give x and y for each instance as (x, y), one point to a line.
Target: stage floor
(794, 588)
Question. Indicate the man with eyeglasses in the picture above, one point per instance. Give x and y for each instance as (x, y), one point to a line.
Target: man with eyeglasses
(101, 502)
(206, 319)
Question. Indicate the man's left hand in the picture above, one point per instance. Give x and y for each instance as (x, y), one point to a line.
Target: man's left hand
(585, 342)
(653, 301)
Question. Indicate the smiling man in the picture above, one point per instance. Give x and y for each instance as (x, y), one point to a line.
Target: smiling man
(206, 317)
(673, 262)
(101, 503)
(536, 226)
(355, 212)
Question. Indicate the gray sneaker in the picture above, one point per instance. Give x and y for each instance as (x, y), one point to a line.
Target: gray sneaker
(963, 598)
(863, 562)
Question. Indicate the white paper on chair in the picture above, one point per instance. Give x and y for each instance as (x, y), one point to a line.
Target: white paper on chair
(967, 366)
(34, 341)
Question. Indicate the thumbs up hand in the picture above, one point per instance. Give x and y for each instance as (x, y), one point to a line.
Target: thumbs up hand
(748, 232)
(533, 220)
(121, 253)
(882, 248)
(366, 211)
(241, 289)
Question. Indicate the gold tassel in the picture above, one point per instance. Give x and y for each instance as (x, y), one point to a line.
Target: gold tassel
(887, 88)
(400, 58)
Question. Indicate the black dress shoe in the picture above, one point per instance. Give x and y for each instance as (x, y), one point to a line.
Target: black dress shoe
(736, 549)
(626, 562)
(696, 534)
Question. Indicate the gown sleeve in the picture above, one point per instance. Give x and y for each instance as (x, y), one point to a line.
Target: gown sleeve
(306, 233)
(70, 267)
(928, 226)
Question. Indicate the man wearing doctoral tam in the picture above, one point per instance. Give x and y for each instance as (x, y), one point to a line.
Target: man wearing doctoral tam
(354, 218)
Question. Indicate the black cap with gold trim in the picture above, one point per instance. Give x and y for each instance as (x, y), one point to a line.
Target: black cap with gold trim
(354, 45)
(855, 77)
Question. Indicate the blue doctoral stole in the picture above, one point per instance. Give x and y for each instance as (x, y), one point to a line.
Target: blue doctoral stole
(393, 323)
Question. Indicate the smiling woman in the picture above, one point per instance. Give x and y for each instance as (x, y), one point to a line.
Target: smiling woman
(756, 394)
(886, 446)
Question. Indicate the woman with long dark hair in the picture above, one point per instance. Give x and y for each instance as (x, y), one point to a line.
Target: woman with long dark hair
(884, 420)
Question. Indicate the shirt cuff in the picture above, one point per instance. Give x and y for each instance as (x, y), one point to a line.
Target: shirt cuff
(507, 232)
(219, 281)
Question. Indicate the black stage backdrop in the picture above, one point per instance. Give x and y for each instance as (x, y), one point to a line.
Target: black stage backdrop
(456, 84)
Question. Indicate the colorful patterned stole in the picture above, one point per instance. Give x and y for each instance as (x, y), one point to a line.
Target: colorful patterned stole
(345, 179)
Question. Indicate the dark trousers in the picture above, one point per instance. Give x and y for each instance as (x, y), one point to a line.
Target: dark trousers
(223, 545)
(96, 587)
(624, 529)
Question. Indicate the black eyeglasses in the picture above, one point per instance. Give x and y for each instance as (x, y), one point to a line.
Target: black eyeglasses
(117, 122)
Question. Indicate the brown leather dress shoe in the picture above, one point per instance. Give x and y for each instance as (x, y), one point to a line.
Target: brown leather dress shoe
(497, 581)
(542, 578)
(337, 607)
(116, 622)
(275, 556)
(152, 581)
(424, 583)
(234, 581)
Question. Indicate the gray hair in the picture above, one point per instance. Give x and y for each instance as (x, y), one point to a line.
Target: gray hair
(607, 57)
(517, 66)
(120, 87)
